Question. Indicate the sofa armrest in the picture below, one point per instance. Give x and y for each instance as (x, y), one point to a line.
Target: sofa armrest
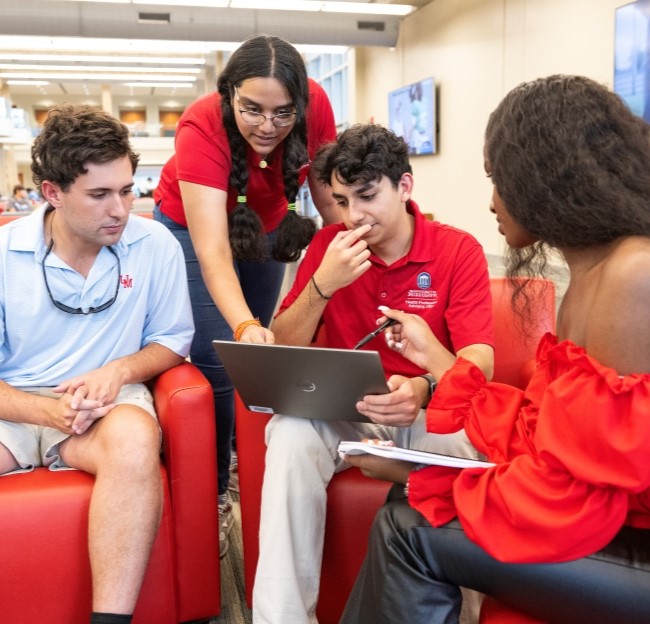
(185, 406)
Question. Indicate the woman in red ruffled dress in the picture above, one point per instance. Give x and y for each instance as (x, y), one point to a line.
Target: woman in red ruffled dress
(557, 530)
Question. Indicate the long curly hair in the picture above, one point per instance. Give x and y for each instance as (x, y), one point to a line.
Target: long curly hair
(267, 57)
(572, 165)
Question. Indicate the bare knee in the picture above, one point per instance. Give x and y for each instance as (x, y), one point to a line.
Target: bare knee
(127, 438)
(7, 460)
(130, 431)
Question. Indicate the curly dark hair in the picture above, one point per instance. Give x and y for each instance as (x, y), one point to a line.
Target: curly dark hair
(74, 136)
(268, 57)
(363, 153)
(572, 165)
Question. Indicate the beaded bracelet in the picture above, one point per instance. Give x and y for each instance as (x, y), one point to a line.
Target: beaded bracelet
(243, 325)
(322, 296)
(406, 485)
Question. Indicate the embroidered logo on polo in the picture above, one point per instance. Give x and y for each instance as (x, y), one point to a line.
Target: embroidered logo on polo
(422, 297)
(126, 281)
(424, 280)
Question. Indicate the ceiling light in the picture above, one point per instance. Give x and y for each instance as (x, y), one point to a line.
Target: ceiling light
(85, 45)
(369, 9)
(307, 48)
(280, 5)
(97, 58)
(35, 83)
(98, 68)
(175, 85)
(326, 7)
(216, 4)
(96, 76)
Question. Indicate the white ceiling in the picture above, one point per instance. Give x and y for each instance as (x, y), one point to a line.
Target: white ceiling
(27, 24)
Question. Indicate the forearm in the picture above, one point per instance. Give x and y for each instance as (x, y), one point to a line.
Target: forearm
(207, 220)
(146, 364)
(23, 407)
(225, 289)
(440, 360)
(481, 355)
(297, 324)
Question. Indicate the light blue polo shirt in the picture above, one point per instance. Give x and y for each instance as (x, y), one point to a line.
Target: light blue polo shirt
(41, 345)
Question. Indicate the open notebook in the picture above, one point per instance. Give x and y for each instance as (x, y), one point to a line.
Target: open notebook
(418, 457)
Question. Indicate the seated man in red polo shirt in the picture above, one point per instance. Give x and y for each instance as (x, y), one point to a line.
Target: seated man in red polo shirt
(385, 253)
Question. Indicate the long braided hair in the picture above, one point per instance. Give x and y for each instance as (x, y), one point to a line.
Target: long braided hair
(267, 57)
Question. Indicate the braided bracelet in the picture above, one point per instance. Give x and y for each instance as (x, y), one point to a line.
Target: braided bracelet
(322, 296)
(243, 325)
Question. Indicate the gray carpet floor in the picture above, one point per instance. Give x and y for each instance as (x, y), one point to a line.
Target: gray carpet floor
(233, 600)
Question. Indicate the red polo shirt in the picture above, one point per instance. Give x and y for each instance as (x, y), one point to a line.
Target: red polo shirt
(443, 279)
(203, 157)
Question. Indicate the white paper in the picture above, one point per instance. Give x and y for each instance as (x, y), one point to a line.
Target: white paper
(418, 457)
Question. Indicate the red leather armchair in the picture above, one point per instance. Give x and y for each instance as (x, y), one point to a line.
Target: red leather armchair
(353, 499)
(44, 565)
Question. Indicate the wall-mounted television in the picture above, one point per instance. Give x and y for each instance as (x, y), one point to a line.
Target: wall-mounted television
(412, 115)
(631, 65)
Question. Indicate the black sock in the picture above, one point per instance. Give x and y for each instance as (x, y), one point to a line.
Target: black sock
(110, 618)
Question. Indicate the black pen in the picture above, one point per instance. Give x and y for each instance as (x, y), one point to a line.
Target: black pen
(372, 334)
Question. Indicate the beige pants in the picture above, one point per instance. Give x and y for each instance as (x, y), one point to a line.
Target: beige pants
(35, 445)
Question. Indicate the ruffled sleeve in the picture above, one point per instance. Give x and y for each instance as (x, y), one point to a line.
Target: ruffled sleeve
(570, 468)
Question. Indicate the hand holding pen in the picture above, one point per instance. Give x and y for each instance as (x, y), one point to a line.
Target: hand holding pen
(385, 325)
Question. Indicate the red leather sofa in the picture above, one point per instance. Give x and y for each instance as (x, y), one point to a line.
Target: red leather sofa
(354, 499)
(44, 565)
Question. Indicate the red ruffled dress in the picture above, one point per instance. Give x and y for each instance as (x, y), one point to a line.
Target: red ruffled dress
(571, 452)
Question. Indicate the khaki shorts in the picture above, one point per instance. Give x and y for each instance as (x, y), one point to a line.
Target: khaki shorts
(35, 445)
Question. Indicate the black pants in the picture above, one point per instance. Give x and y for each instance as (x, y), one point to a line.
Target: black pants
(413, 571)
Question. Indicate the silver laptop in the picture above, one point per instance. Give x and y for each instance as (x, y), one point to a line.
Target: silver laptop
(302, 381)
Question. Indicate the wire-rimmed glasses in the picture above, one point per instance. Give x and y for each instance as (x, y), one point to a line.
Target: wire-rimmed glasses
(253, 118)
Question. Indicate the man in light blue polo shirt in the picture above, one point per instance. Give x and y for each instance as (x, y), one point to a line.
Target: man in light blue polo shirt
(93, 302)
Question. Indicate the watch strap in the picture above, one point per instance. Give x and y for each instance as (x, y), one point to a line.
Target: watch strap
(432, 388)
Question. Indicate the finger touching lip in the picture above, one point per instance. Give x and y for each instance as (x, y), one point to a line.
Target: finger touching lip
(362, 229)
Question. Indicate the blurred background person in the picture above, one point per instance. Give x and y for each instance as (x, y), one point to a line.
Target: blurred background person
(19, 202)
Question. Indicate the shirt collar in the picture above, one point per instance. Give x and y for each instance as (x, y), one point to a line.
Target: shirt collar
(422, 247)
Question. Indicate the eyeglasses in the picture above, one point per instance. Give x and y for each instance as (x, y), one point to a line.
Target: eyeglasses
(68, 309)
(253, 118)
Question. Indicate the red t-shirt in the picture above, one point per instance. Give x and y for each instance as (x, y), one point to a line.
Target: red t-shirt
(571, 452)
(443, 279)
(203, 157)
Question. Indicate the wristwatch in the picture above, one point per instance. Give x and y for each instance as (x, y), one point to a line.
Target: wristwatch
(433, 384)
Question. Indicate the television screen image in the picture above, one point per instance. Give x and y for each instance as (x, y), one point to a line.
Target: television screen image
(631, 63)
(412, 115)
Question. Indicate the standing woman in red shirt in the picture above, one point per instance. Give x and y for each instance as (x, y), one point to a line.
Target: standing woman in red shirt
(229, 196)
